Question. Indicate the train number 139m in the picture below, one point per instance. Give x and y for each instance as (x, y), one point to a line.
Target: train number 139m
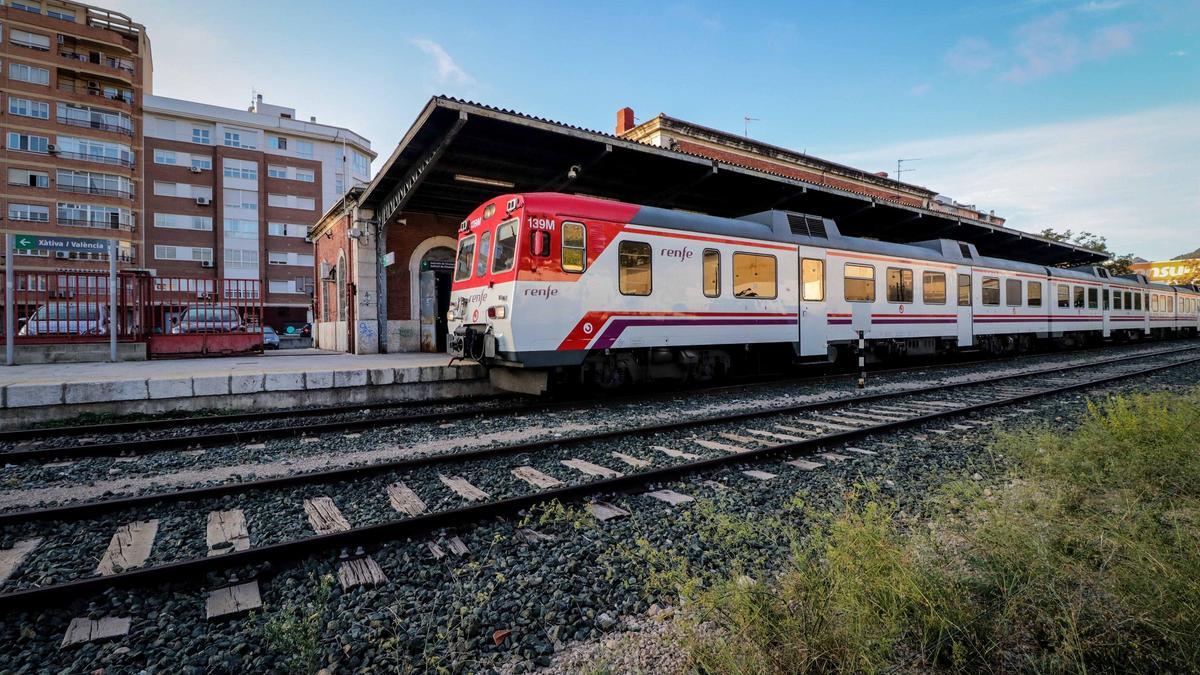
(541, 224)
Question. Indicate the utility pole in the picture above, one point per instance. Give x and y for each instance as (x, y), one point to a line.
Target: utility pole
(746, 125)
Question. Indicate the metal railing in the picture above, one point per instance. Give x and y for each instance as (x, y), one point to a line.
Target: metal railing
(55, 307)
(104, 60)
(90, 190)
(87, 157)
(95, 224)
(124, 97)
(92, 124)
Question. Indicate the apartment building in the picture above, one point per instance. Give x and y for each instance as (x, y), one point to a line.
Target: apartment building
(72, 79)
(231, 194)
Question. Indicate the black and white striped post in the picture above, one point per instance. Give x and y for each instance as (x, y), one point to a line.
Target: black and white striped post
(862, 361)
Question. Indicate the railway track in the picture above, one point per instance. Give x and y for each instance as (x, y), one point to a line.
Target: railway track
(123, 439)
(643, 456)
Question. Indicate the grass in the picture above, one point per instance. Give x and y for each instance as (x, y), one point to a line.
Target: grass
(1086, 558)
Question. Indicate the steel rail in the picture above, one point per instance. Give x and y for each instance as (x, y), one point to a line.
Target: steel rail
(93, 508)
(372, 535)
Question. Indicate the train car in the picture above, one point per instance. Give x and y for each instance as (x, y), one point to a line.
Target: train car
(562, 288)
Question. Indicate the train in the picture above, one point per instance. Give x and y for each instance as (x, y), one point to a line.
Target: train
(553, 289)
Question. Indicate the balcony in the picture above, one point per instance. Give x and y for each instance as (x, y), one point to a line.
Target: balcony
(94, 58)
(92, 190)
(95, 224)
(117, 161)
(108, 93)
(97, 125)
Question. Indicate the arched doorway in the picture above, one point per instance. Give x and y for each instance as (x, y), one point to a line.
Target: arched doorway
(434, 275)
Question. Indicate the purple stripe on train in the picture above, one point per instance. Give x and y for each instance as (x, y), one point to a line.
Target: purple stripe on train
(618, 326)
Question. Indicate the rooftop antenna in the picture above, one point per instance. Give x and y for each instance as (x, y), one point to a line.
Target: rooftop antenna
(900, 162)
(746, 125)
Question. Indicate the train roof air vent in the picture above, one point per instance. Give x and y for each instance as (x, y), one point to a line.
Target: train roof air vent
(808, 226)
(966, 250)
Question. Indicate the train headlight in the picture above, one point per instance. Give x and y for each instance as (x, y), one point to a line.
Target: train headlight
(497, 311)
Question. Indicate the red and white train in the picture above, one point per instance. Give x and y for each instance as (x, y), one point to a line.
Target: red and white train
(551, 287)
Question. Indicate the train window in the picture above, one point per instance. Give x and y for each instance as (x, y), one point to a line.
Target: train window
(1171, 303)
(1033, 293)
(1128, 300)
(753, 275)
(899, 285)
(964, 290)
(539, 244)
(633, 260)
(933, 288)
(1104, 298)
(1154, 303)
(1147, 301)
(812, 279)
(574, 247)
(1012, 289)
(1117, 300)
(859, 283)
(1093, 298)
(485, 248)
(466, 256)
(506, 247)
(712, 272)
(1137, 301)
(991, 291)
(1064, 295)
(1078, 296)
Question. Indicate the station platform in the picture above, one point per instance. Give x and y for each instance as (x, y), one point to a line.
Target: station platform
(274, 380)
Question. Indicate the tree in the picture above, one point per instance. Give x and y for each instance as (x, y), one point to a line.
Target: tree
(1116, 263)
(1188, 256)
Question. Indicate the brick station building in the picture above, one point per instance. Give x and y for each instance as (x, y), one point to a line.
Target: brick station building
(383, 252)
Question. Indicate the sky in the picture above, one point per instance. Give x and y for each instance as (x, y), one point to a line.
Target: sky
(1064, 114)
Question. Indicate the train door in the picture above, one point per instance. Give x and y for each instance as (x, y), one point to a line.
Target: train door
(812, 326)
(1106, 308)
(965, 300)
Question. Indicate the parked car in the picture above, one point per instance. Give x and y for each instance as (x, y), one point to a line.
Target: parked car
(197, 319)
(67, 318)
(270, 338)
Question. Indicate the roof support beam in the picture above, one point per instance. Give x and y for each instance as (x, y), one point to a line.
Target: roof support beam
(391, 206)
(667, 197)
(575, 171)
(778, 203)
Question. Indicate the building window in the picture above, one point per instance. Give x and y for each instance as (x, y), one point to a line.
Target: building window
(361, 163)
(29, 212)
(237, 168)
(933, 288)
(754, 275)
(506, 247)
(233, 139)
(1033, 292)
(899, 285)
(859, 283)
(31, 40)
(964, 290)
(27, 178)
(59, 13)
(1064, 295)
(812, 279)
(305, 175)
(30, 74)
(574, 247)
(94, 215)
(181, 222)
(164, 157)
(202, 163)
(95, 183)
(27, 108)
(1078, 300)
(277, 142)
(304, 149)
(26, 6)
(236, 228)
(286, 230)
(94, 118)
(190, 253)
(202, 136)
(710, 281)
(241, 199)
(95, 151)
(991, 291)
(466, 256)
(634, 275)
(1012, 292)
(27, 143)
(238, 258)
(277, 171)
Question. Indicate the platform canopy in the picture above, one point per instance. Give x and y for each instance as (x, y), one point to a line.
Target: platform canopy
(458, 154)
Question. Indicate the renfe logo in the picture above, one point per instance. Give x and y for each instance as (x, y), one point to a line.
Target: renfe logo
(547, 292)
(681, 253)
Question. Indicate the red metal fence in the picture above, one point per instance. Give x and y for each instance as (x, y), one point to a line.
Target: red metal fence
(173, 315)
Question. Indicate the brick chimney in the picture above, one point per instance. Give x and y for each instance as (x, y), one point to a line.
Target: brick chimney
(624, 120)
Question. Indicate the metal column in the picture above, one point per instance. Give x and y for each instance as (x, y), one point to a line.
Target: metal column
(9, 299)
(112, 300)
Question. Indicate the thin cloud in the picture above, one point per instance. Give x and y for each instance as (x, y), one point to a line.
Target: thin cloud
(693, 14)
(1179, 53)
(1131, 178)
(971, 55)
(448, 72)
(921, 89)
(1097, 6)
(1047, 47)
